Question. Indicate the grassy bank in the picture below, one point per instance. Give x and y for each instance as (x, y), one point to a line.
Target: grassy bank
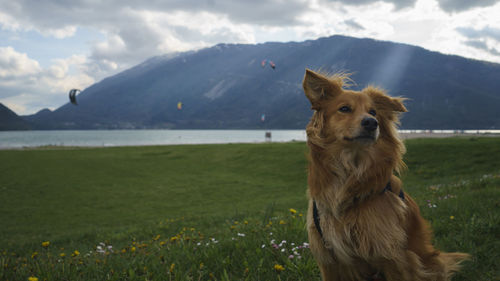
(207, 212)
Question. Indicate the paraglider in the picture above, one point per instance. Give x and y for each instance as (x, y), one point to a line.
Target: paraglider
(179, 105)
(263, 117)
(72, 95)
(270, 62)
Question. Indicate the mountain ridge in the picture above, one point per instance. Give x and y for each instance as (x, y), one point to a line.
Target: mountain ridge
(225, 87)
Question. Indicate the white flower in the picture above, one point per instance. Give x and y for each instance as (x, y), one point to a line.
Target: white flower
(241, 234)
(263, 246)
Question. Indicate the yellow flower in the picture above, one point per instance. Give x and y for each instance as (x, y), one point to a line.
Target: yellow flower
(162, 243)
(172, 267)
(156, 237)
(293, 211)
(452, 217)
(236, 222)
(245, 222)
(34, 255)
(201, 266)
(62, 255)
(132, 249)
(45, 244)
(75, 253)
(174, 238)
(124, 251)
(32, 278)
(282, 222)
(279, 268)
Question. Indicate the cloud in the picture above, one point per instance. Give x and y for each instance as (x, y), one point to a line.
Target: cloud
(14, 64)
(353, 24)
(26, 87)
(481, 45)
(485, 32)
(463, 5)
(486, 39)
(398, 4)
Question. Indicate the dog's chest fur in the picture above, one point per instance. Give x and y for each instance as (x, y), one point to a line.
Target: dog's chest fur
(362, 231)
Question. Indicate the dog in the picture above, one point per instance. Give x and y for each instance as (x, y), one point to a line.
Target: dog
(361, 224)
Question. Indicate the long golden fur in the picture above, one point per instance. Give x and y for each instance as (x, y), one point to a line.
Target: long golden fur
(366, 232)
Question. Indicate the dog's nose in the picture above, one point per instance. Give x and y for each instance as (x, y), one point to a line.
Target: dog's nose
(369, 124)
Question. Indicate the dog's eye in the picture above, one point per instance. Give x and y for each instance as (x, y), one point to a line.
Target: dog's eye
(372, 112)
(345, 108)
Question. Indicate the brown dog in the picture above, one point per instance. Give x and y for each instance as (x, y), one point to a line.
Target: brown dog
(361, 225)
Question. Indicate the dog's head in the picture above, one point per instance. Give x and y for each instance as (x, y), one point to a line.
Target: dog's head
(353, 118)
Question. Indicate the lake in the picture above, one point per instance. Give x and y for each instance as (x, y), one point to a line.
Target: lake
(98, 138)
(95, 138)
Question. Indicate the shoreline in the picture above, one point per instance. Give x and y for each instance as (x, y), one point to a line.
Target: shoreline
(403, 135)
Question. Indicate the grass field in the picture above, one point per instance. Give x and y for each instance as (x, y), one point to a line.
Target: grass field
(216, 212)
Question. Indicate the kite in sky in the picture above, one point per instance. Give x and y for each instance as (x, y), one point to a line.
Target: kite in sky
(72, 96)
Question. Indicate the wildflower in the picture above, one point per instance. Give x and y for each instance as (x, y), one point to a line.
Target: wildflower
(172, 267)
(34, 255)
(174, 238)
(293, 211)
(162, 243)
(124, 251)
(245, 222)
(62, 255)
(75, 253)
(132, 249)
(236, 222)
(32, 278)
(282, 222)
(156, 237)
(45, 244)
(201, 266)
(279, 268)
(263, 246)
(241, 234)
(290, 256)
(452, 217)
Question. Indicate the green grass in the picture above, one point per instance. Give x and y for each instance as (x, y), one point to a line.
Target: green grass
(142, 197)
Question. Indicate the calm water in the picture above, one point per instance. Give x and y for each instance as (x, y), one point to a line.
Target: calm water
(19, 139)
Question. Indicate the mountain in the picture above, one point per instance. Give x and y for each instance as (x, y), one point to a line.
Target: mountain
(225, 87)
(11, 121)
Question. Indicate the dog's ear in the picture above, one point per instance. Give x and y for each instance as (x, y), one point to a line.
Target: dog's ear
(318, 87)
(385, 102)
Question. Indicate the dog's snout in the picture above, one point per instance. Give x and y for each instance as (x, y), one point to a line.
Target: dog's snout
(369, 124)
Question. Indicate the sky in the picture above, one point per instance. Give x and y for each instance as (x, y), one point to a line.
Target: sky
(48, 47)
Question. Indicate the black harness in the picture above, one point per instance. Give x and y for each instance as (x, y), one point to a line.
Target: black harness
(318, 227)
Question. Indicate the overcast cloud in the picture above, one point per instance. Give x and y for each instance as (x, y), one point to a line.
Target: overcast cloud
(48, 47)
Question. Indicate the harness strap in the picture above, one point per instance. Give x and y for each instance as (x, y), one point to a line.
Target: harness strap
(389, 188)
(316, 219)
